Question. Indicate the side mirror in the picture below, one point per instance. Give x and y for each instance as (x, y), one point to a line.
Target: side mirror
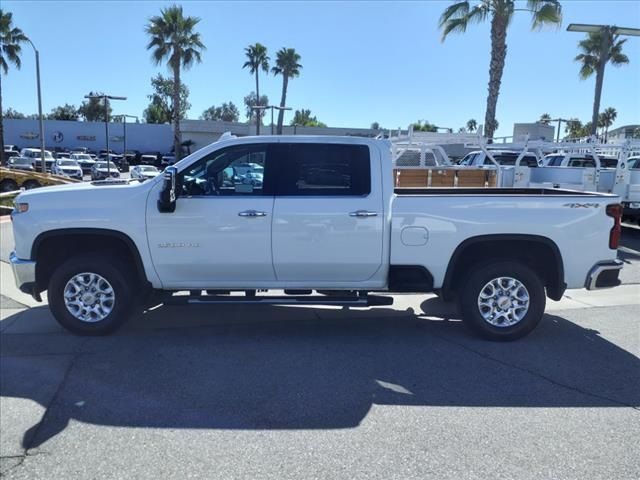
(167, 200)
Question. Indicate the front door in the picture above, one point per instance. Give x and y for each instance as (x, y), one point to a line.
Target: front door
(220, 232)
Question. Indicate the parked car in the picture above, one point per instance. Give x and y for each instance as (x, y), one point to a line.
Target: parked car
(150, 159)
(585, 160)
(67, 168)
(85, 161)
(62, 155)
(144, 172)
(252, 178)
(119, 160)
(10, 148)
(34, 155)
(503, 157)
(132, 157)
(483, 247)
(104, 170)
(21, 163)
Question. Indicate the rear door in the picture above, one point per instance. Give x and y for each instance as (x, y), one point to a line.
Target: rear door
(328, 214)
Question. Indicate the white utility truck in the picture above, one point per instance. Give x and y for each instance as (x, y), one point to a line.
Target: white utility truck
(324, 224)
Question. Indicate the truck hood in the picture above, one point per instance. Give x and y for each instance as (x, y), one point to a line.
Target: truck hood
(82, 190)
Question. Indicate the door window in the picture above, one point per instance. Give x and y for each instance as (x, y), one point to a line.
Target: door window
(236, 170)
(320, 169)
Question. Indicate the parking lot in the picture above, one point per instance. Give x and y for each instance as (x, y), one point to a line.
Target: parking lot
(290, 392)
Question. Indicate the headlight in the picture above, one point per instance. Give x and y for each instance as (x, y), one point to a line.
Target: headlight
(21, 207)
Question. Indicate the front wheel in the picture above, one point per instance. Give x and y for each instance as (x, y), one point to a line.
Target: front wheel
(502, 300)
(89, 295)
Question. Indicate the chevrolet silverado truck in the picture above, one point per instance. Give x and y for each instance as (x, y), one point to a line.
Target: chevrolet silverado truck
(323, 225)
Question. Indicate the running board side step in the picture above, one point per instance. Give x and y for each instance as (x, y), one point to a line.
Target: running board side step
(355, 301)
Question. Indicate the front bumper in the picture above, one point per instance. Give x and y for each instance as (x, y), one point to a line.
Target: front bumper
(604, 275)
(24, 273)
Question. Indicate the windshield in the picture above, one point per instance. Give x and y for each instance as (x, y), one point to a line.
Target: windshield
(67, 163)
(47, 155)
(112, 165)
(82, 156)
(21, 161)
(469, 159)
(148, 168)
(554, 160)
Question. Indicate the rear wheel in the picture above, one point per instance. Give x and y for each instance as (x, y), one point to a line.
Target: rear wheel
(89, 295)
(502, 300)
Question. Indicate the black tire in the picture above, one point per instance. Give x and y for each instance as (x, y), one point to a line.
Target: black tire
(479, 277)
(113, 271)
(29, 184)
(8, 185)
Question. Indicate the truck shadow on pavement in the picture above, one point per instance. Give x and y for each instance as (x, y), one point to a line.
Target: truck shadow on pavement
(301, 368)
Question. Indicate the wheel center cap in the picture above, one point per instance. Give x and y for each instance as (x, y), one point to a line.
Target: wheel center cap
(504, 302)
(88, 298)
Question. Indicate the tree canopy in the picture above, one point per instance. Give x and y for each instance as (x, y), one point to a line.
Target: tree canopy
(160, 109)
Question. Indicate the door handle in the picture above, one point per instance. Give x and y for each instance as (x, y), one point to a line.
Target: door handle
(252, 213)
(363, 213)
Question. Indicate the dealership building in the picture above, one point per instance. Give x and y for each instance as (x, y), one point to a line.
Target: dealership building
(145, 137)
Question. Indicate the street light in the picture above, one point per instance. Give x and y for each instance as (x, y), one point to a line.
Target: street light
(559, 120)
(607, 32)
(259, 108)
(106, 121)
(272, 107)
(124, 117)
(43, 163)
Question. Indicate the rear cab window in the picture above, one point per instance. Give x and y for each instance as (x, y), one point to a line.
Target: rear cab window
(324, 169)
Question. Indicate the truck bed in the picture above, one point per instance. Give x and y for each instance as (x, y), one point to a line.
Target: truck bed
(488, 192)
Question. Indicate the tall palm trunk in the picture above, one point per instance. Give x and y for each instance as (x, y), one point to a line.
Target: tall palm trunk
(177, 135)
(1, 127)
(596, 100)
(283, 101)
(496, 67)
(258, 113)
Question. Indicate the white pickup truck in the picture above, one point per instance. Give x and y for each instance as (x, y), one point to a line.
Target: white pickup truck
(308, 214)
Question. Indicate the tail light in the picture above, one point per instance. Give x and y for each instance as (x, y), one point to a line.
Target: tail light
(615, 211)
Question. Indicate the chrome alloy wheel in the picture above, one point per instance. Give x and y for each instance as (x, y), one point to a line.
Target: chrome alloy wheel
(89, 297)
(503, 302)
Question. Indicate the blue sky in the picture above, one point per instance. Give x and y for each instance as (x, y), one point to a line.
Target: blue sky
(363, 61)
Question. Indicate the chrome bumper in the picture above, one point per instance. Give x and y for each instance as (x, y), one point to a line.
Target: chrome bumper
(24, 273)
(604, 275)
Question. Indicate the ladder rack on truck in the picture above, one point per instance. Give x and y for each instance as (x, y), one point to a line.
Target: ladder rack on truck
(419, 160)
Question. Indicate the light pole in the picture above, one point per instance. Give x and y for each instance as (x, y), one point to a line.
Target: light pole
(106, 121)
(43, 163)
(277, 108)
(272, 107)
(258, 109)
(607, 32)
(559, 120)
(124, 117)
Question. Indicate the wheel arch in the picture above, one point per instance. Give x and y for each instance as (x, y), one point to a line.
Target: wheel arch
(59, 244)
(522, 247)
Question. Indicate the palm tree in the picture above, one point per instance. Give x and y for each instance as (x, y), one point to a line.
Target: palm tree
(458, 16)
(593, 60)
(545, 119)
(257, 60)
(10, 39)
(472, 125)
(172, 38)
(607, 117)
(286, 65)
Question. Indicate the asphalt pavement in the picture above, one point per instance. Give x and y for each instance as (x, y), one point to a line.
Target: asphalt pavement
(263, 392)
